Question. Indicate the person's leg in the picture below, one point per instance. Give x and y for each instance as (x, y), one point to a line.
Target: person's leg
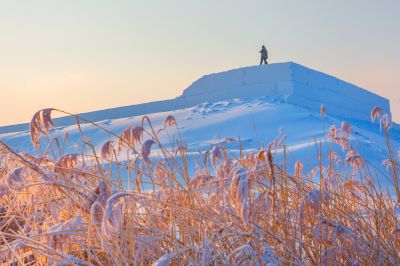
(265, 60)
(261, 61)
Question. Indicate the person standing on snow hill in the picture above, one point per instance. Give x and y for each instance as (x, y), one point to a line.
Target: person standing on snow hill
(264, 55)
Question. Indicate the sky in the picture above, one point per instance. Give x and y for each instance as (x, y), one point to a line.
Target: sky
(88, 55)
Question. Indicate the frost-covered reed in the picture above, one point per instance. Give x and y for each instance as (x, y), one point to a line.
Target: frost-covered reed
(247, 210)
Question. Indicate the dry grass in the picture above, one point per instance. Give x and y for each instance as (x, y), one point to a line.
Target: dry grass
(255, 210)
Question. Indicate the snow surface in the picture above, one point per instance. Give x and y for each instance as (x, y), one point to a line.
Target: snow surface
(251, 104)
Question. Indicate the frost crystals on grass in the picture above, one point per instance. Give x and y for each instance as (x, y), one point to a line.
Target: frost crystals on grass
(41, 124)
(239, 191)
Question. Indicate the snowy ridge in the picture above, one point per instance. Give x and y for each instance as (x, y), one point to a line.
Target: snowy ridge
(284, 82)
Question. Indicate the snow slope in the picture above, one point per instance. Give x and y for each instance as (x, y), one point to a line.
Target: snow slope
(251, 104)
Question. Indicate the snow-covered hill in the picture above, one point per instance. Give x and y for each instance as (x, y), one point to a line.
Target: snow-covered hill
(287, 82)
(251, 104)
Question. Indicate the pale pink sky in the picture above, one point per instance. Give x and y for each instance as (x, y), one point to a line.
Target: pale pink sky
(88, 55)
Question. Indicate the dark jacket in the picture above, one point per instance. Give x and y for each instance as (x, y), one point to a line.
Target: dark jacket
(264, 53)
